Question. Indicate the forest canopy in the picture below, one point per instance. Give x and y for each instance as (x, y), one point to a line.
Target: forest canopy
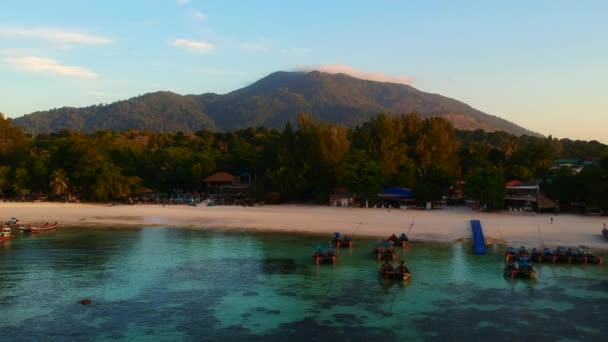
(305, 162)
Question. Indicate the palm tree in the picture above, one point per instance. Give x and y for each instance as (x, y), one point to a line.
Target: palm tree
(59, 182)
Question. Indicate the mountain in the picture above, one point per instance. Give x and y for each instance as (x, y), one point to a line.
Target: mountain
(269, 102)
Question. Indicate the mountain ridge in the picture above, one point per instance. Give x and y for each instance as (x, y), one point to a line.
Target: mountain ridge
(271, 102)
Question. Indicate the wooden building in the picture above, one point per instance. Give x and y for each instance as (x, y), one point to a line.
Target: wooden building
(226, 189)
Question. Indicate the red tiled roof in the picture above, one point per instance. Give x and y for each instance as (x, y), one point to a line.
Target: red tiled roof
(220, 177)
(514, 182)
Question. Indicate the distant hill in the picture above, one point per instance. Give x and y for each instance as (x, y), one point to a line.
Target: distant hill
(269, 102)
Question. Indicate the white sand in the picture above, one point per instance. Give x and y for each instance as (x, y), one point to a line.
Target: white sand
(437, 225)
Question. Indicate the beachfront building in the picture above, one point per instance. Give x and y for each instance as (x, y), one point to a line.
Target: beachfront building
(521, 196)
(225, 188)
(341, 197)
(392, 197)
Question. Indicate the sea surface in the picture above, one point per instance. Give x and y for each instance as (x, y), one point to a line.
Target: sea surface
(166, 284)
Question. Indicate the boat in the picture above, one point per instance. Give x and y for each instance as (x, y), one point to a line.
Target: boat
(523, 252)
(324, 258)
(510, 254)
(11, 223)
(584, 256)
(520, 269)
(387, 253)
(401, 272)
(403, 240)
(43, 227)
(525, 269)
(339, 242)
(5, 235)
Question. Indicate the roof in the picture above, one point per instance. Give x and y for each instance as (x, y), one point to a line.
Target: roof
(566, 161)
(220, 177)
(514, 182)
(398, 192)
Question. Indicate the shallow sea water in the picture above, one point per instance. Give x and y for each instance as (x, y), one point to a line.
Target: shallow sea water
(207, 285)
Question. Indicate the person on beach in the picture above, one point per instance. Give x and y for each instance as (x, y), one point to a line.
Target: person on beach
(552, 220)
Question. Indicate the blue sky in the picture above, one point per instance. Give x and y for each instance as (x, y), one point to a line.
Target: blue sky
(540, 64)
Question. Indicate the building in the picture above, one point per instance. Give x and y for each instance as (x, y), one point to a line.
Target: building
(521, 196)
(225, 188)
(341, 197)
(392, 197)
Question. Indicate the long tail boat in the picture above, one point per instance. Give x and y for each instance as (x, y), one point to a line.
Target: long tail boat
(401, 272)
(5, 235)
(43, 228)
(520, 269)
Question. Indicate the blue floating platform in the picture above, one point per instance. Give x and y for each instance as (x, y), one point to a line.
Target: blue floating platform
(479, 242)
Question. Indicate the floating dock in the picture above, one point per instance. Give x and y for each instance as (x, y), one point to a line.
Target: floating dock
(479, 242)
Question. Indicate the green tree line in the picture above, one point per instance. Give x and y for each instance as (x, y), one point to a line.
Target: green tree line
(303, 162)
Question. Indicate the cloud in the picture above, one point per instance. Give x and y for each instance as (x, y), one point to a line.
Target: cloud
(53, 35)
(197, 15)
(295, 51)
(366, 75)
(182, 2)
(193, 45)
(49, 66)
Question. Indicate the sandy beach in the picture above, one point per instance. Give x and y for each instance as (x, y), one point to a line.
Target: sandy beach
(444, 225)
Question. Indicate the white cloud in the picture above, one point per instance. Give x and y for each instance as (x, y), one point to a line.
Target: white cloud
(53, 35)
(197, 15)
(193, 45)
(182, 2)
(49, 66)
(295, 51)
(366, 75)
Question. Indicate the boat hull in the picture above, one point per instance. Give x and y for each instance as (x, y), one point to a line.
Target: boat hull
(394, 275)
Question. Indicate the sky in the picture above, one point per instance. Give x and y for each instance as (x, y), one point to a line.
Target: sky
(540, 64)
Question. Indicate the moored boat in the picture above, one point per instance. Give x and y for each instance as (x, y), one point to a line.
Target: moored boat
(6, 234)
(520, 269)
(510, 254)
(43, 227)
(585, 256)
(339, 242)
(401, 272)
(404, 241)
(387, 253)
(324, 258)
(11, 223)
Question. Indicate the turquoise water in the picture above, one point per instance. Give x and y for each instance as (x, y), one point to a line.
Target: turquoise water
(179, 284)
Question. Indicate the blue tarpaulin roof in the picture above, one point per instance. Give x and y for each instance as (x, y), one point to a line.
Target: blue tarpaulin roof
(399, 192)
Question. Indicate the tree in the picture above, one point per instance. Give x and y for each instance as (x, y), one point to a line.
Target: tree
(433, 184)
(59, 182)
(360, 174)
(21, 180)
(4, 174)
(487, 186)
